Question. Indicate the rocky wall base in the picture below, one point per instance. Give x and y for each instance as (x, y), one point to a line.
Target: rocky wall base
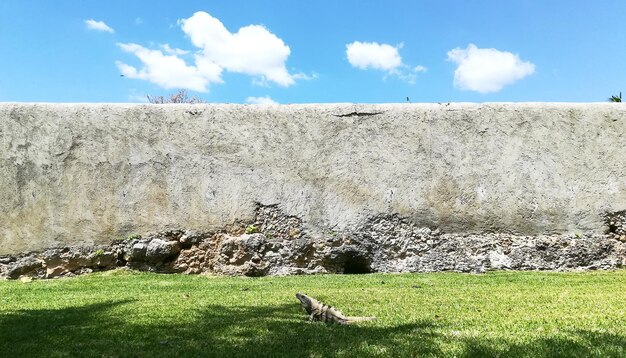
(277, 245)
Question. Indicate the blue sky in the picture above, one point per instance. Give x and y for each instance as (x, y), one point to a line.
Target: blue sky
(289, 51)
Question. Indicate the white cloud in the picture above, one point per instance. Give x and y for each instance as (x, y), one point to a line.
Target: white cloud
(261, 100)
(372, 55)
(366, 55)
(487, 70)
(98, 26)
(252, 50)
(169, 71)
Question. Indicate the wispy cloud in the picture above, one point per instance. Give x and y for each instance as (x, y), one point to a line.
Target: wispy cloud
(98, 26)
(261, 100)
(173, 51)
(135, 97)
(487, 70)
(372, 55)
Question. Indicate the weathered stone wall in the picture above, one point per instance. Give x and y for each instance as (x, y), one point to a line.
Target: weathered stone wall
(85, 174)
(277, 244)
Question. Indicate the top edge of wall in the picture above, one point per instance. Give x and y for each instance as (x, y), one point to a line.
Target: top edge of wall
(327, 104)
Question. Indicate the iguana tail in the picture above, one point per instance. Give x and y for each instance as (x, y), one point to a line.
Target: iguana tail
(358, 319)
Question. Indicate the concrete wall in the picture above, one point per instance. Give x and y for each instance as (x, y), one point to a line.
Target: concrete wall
(88, 173)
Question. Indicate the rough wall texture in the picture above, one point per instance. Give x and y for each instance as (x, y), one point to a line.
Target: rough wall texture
(278, 244)
(82, 174)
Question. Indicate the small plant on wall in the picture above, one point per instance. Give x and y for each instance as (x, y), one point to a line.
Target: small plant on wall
(251, 229)
(616, 98)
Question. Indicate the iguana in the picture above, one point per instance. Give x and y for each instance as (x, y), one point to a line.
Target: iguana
(318, 311)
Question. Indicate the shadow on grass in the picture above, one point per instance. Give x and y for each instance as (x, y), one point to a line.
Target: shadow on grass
(58, 332)
(95, 330)
(578, 343)
(105, 330)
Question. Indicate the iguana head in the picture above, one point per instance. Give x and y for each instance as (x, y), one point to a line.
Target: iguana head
(305, 301)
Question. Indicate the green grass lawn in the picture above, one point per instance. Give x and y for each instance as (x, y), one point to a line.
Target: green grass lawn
(120, 313)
